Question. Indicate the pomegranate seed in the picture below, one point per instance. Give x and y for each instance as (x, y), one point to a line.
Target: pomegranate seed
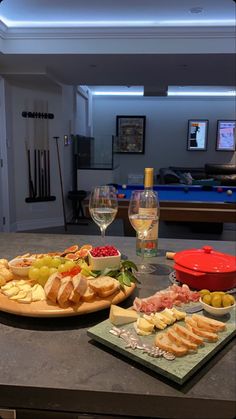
(104, 251)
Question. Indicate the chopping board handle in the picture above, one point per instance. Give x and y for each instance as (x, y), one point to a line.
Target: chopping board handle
(170, 255)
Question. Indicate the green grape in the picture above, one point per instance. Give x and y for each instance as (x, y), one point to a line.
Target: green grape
(38, 263)
(69, 264)
(62, 268)
(55, 262)
(34, 273)
(44, 272)
(52, 271)
(47, 260)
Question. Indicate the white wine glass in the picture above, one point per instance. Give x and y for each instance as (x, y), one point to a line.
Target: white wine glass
(143, 214)
(103, 206)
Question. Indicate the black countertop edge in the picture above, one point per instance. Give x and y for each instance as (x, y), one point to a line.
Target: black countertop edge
(90, 402)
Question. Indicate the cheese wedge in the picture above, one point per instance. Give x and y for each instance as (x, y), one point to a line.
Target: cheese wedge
(119, 315)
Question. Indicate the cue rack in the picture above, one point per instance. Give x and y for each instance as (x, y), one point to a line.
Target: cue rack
(37, 151)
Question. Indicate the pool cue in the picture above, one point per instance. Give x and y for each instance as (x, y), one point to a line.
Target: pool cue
(45, 172)
(48, 164)
(31, 184)
(62, 194)
(35, 173)
(39, 174)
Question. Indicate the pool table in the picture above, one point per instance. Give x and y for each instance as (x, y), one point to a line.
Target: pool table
(183, 203)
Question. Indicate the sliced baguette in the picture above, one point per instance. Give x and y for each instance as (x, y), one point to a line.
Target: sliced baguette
(187, 334)
(192, 325)
(212, 337)
(80, 285)
(52, 286)
(89, 295)
(163, 342)
(104, 286)
(64, 292)
(180, 340)
(216, 325)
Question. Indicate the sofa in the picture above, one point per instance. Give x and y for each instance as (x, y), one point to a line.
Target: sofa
(215, 174)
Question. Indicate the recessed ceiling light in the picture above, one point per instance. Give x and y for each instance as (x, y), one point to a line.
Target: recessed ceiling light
(196, 10)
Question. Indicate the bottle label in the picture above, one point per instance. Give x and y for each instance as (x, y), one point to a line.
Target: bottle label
(151, 240)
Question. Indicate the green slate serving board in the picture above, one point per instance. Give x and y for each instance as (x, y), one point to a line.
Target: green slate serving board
(180, 369)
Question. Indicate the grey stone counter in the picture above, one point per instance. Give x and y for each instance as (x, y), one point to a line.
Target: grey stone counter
(51, 364)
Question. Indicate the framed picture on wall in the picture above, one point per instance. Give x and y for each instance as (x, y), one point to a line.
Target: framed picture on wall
(226, 135)
(197, 134)
(130, 134)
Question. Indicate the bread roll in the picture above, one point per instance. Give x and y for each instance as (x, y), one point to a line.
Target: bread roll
(4, 262)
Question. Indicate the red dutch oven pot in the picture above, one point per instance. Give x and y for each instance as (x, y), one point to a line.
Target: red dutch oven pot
(206, 269)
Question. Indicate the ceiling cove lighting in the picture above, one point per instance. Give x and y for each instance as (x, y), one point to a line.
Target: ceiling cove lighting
(118, 23)
(229, 93)
(116, 93)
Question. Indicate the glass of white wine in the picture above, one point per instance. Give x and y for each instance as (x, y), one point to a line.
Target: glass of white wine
(143, 214)
(103, 206)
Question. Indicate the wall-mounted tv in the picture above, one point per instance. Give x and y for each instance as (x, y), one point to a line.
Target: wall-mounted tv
(226, 135)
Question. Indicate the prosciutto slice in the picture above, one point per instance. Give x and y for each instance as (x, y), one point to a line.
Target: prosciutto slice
(173, 295)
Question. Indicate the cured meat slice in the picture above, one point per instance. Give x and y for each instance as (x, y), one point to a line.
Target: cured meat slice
(173, 295)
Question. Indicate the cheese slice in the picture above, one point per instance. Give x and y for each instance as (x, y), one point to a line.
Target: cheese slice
(119, 315)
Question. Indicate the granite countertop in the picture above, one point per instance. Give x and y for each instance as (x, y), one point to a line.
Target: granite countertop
(52, 364)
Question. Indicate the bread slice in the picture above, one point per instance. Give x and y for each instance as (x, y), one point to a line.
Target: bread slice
(64, 292)
(89, 295)
(52, 286)
(80, 285)
(192, 325)
(180, 340)
(212, 337)
(104, 286)
(163, 342)
(187, 334)
(215, 325)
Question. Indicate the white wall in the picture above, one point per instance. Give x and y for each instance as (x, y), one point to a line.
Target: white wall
(60, 103)
(166, 130)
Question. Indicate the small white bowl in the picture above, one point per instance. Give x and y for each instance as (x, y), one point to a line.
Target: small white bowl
(17, 269)
(217, 311)
(102, 262)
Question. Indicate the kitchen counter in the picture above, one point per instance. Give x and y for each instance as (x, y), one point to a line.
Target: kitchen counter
(51, 365)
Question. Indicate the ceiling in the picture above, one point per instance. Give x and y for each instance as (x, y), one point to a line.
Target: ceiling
(43, 13)
(106, 43)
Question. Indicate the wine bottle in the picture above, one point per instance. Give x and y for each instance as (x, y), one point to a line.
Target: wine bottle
(151, 241)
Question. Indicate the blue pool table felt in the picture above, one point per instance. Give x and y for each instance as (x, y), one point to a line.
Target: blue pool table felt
(191, 193)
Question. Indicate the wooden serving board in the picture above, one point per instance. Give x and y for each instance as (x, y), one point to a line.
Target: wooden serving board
(180, 369)
(45, 309)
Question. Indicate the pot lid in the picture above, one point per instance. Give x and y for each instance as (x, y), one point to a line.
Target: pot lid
(206, 259)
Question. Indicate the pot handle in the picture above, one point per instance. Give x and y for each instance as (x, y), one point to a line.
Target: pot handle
(189, 271)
